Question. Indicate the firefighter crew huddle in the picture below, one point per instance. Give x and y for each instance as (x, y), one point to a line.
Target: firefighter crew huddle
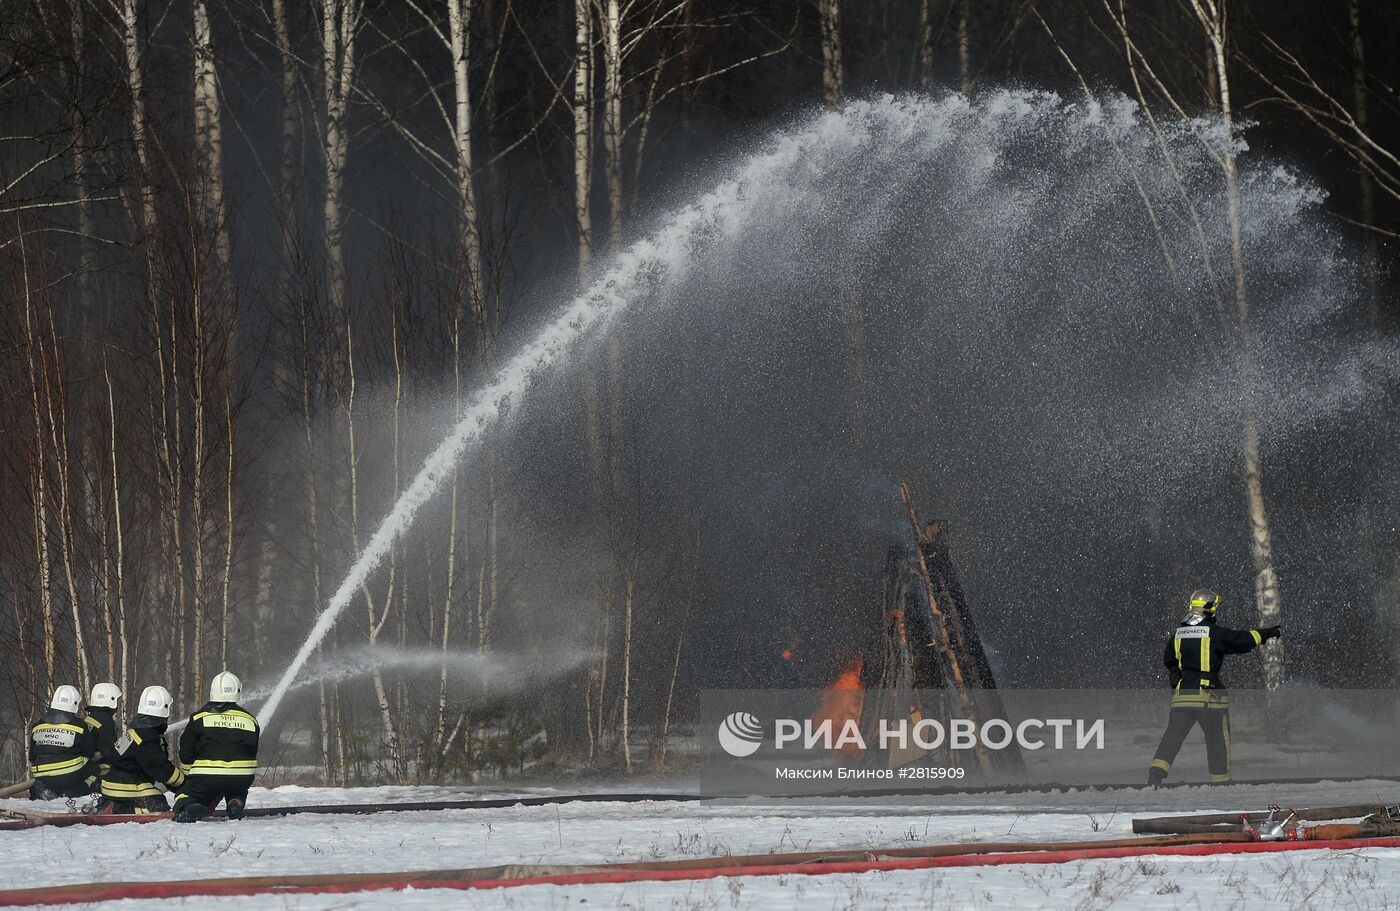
(1194, 655)
(74, 755)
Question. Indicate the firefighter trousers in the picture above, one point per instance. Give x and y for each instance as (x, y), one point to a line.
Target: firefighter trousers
(1215, 724)
(135, 806)
(75, 784)
(211, 789)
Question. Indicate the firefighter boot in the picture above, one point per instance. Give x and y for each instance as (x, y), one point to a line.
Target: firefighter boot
(41, 791)
(191, 811)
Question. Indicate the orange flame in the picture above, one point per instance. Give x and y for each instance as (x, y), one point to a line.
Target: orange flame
(849, 678)
(842, 701)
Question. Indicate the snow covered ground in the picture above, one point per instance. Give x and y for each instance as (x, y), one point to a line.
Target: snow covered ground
(600, 832)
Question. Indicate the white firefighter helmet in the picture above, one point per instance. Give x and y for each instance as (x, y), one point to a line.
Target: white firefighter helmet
(104, 695)
(66, 699)
(225, 687)
(155, 700)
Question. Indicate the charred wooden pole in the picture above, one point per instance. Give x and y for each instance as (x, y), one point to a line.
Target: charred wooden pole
(902, 674)
(942, 634)
(976, 666)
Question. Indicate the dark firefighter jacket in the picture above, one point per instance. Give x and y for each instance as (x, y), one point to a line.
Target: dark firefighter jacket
(59, 744)
(140, 762)
(102, 722)
(1194, 656)
(221, 739)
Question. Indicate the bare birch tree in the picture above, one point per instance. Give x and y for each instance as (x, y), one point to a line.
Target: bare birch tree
(1212, 16)
(209, 132)
(341, 21)
(583, 135)
(833, 63)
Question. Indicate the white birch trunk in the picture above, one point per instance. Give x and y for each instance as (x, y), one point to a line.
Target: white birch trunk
(1212, 15)
(100, 522)
(135, 78)
(605, 651)
(612, 117)
(833, 66)
(209, 135)
(459, 23)
(212, 278)
(228, 529)
(124, 672)
(628, 603)
(58, 439)
(492, 544)
(583, 213)
(446, 630)
(583, 136)
(664, 741)
(41, 552)
(452, 536)
(339, 23)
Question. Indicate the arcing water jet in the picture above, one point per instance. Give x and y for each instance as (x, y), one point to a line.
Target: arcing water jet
(1002, 238)
(636, 272)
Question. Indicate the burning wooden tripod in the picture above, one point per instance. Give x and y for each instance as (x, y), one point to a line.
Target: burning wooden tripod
(931, 643)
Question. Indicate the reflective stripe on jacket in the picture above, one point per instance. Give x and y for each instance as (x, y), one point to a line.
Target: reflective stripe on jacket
(1194, 656)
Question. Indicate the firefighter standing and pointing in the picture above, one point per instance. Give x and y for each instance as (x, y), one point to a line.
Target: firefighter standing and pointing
(219, 754)
(1193, 657)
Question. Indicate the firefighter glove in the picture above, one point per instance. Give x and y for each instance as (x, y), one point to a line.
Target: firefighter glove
(1269, 632)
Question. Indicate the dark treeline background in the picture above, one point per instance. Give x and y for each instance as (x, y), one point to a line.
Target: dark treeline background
(253, 253)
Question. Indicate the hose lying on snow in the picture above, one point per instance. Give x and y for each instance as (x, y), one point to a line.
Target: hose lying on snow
(35, 818)
(817, 863)
(1375, 823)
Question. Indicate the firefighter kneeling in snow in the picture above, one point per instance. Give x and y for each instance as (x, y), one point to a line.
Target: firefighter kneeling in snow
(141, 765)
(219, 753)
(61, 749)
(1194, 654)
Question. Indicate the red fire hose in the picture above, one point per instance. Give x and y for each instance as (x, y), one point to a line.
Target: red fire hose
(94, 892)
